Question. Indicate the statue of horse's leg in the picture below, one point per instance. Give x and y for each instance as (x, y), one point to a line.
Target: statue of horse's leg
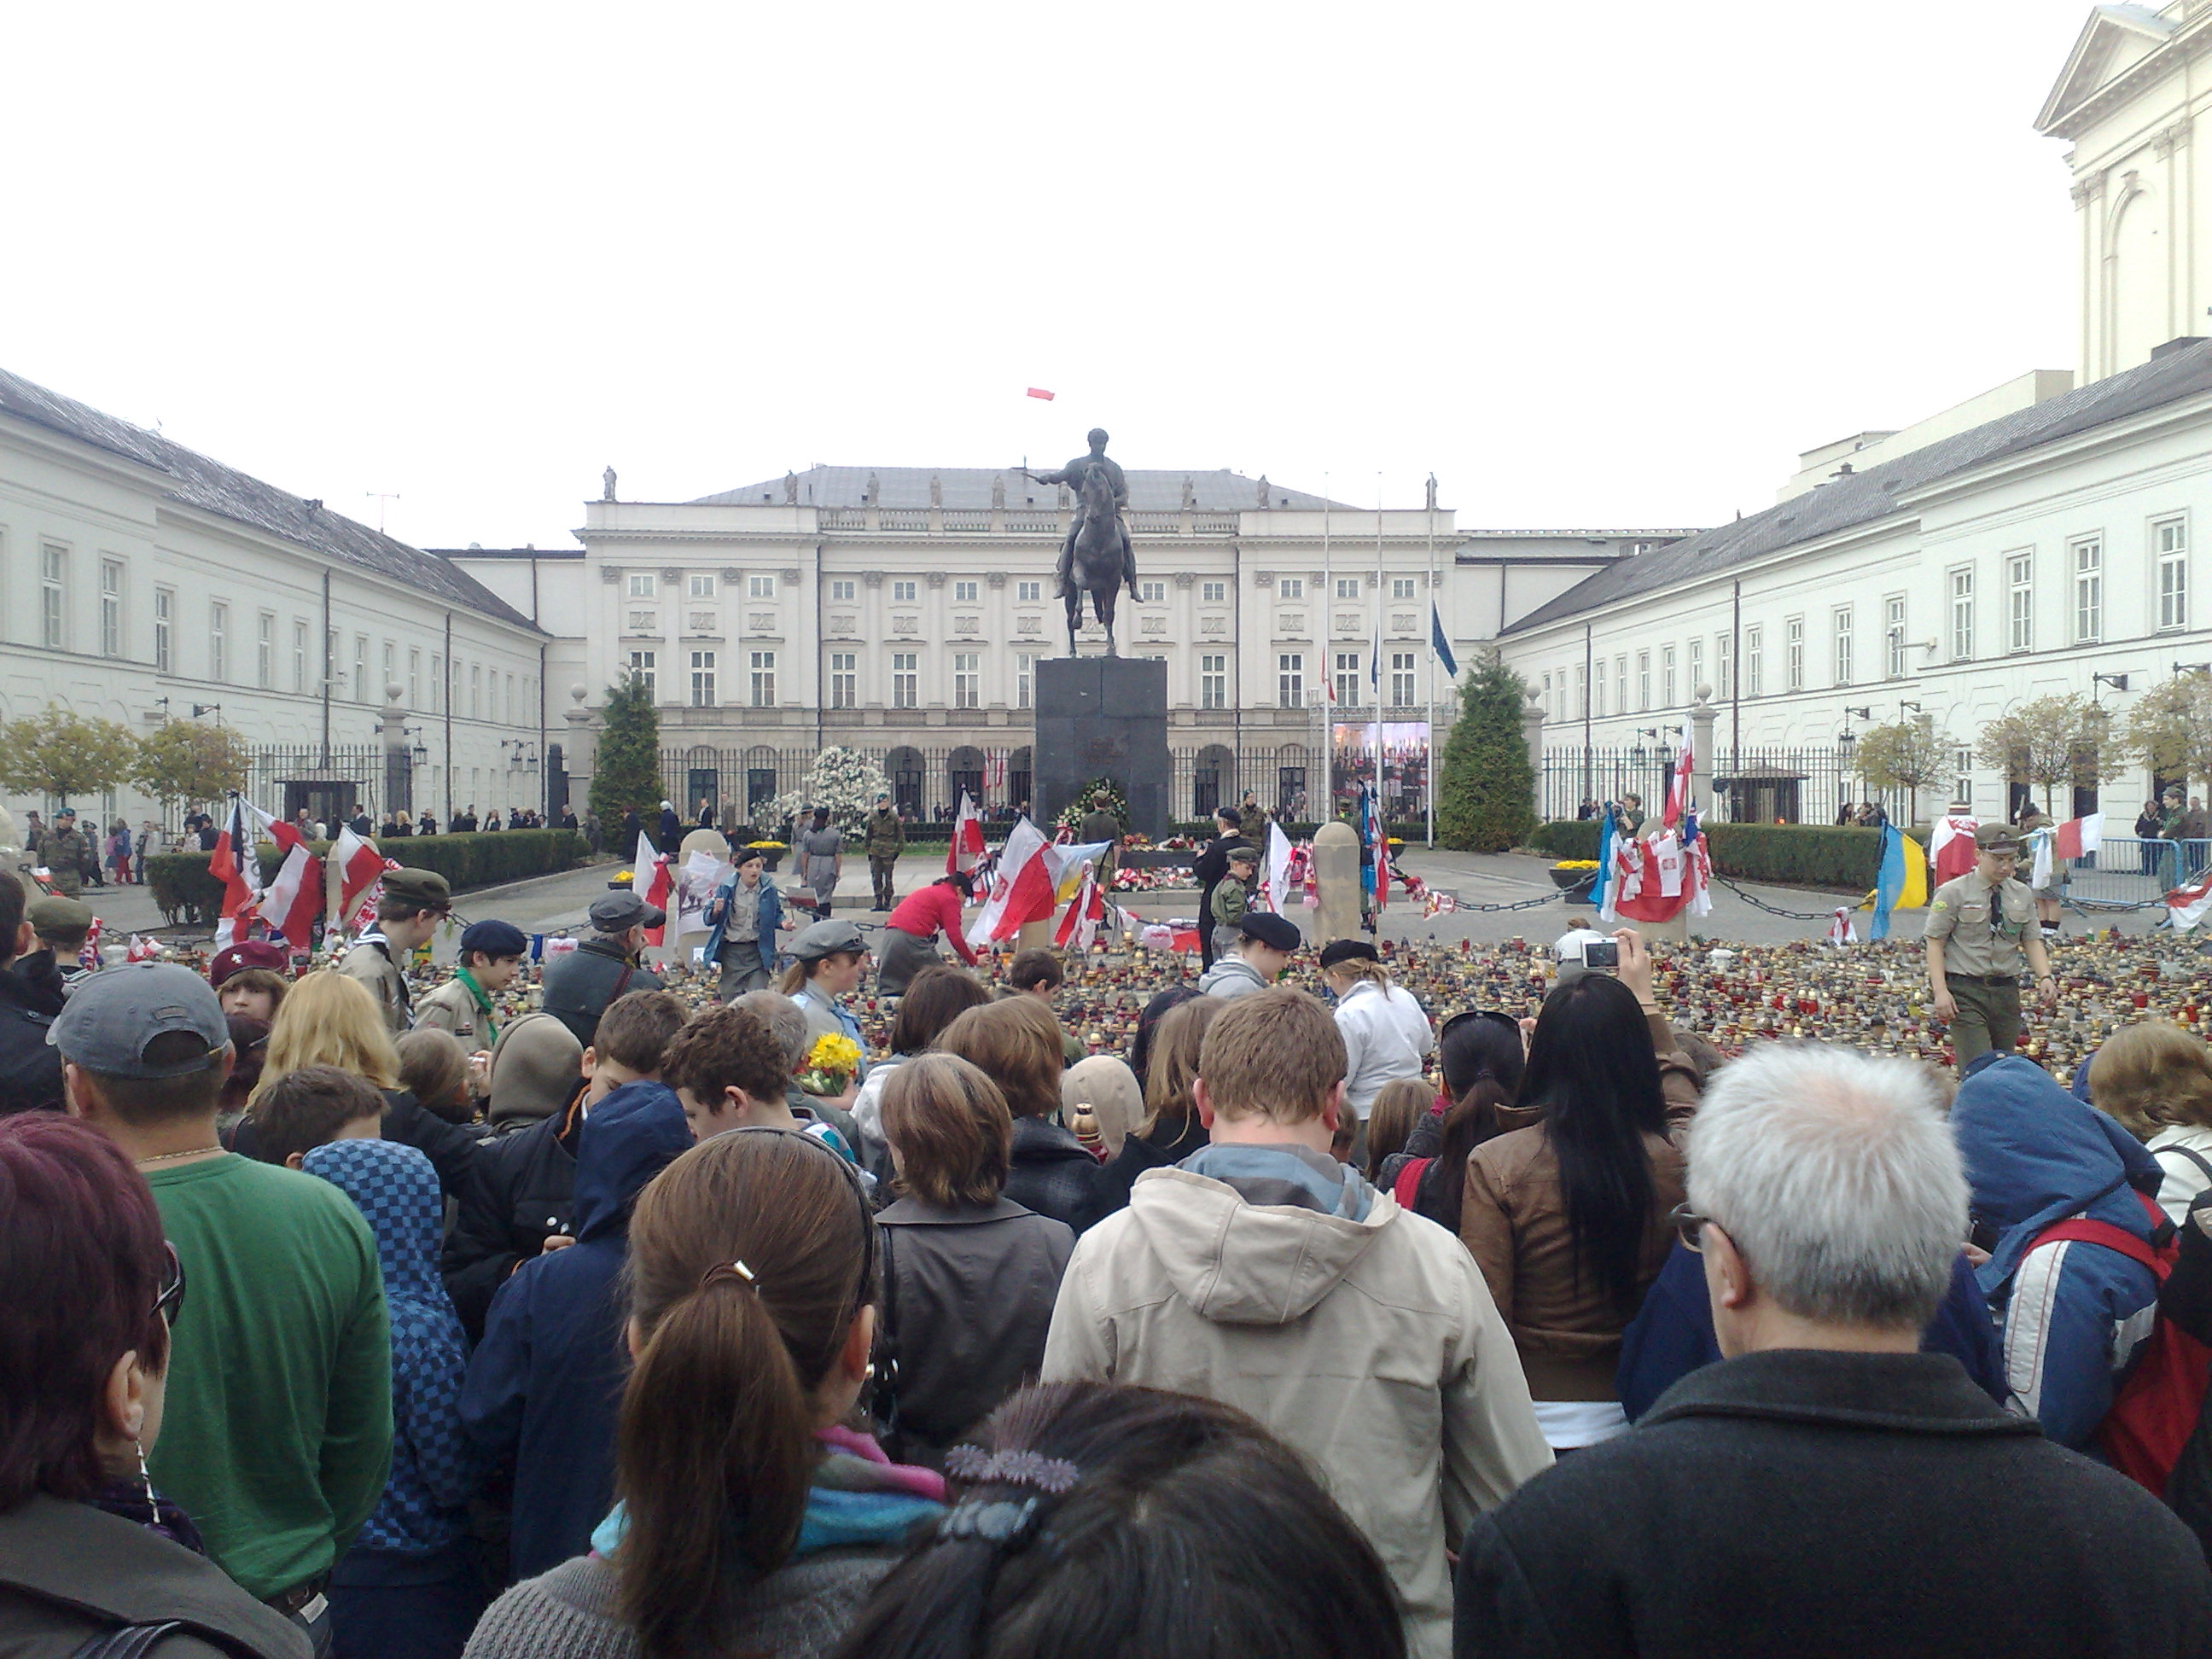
(1102, 600)
(1073, 599)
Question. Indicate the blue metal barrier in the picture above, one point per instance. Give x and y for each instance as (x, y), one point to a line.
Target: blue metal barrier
(2127, 871)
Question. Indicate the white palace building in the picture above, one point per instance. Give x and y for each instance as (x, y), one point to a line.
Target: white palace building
(2024, 544)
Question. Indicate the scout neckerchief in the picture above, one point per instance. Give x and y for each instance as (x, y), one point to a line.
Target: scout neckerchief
(483, 1002)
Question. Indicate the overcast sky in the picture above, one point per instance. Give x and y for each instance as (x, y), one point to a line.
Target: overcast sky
(1604, 265)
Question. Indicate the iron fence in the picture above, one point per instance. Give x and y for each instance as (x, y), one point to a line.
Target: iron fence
(1750, 786)
(331, 784)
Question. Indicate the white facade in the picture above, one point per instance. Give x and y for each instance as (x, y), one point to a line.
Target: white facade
(2129, 99)
(138, 580)
(908, 607)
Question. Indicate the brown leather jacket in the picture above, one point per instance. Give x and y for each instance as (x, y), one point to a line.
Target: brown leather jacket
(1513, 1218)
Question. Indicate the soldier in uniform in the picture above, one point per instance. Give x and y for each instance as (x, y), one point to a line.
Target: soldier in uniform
(886, 840)
(490, 957)
(61, 925)
(64, 852)
(414, 903)
(1981, 932)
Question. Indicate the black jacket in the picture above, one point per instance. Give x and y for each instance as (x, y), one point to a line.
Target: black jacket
(30, 1070)
(523, 1192)
(1813, 1504)
(968, 1296)
(1052, 1175)
(450, 1149)
(579, 985)
(70, 1573)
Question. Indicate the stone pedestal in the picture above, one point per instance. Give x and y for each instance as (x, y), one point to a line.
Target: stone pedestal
(1103, 717)
(1336, 884)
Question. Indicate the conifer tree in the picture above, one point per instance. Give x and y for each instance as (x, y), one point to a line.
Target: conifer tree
(1486, 786)
(626, 770)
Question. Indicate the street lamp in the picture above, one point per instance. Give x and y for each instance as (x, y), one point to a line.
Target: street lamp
(2193, 668)
(2117, 682)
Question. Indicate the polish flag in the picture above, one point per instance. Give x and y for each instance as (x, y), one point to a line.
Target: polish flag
(1278, 868)
(1678, 787)
(361, 866)
(1039, 392)
(2078, 837)
(1024, 890)
(2187, 906)
(650, 880)
(1951, 845)
(1080, 925)
(294, 902)
(236, 863)
(967, 843)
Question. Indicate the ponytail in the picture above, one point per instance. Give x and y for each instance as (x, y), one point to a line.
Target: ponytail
(751, 1257)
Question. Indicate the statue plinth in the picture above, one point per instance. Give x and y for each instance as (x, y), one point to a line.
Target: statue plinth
(1103, 717)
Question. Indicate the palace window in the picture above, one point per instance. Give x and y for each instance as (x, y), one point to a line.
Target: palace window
(1025, 664)
(265, 651)
(967, 679)
(1793, 654)
(842, 590)
(1962, 613)
(53, 572)
(1348, 678)
(1214, 681)
(1893, 636)
(965, 592)
(1402, 679)
(1347, 587)
(1291, 587)
(165, 614)
(1151, 593)
(1029, 593)
(641, 585)
(2019, 601)
(1754, 660)
(1724, 664)
(1667, 676)
(701, 585)
(218, 642)
(2170, 539)
(763, 679)
(1401, 587)
(476, 689)
(844, 679)
(1642, 681)
(415, 678)
(906, 678)
(1581, 690)
(1290, 680)
(1696, 665)
(1843, 644)
(642, 669)
(111, 607)
(2088, 590)
(703, 679)
(1619, 684)
(903, 593)
(1213, 592)
(299, 656)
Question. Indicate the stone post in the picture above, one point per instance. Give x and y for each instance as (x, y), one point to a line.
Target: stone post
(1703, 715)
(576, 749)
(1531, 730)
(399, 760)
(1336, 883)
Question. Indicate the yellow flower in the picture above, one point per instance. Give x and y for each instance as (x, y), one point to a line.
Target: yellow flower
(834, 1051)
(1576, 864)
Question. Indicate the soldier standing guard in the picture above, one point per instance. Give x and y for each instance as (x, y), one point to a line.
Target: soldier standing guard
(1981, 930)
(64, 852)
(886, 840)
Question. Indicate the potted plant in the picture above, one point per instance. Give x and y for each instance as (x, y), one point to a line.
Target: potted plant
(1575, 877)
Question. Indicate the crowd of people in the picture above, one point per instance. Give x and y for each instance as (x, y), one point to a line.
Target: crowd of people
(1336, 1301)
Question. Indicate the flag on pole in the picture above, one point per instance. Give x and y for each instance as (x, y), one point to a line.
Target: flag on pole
(1951, 845)
(360, 866)
(1039, 392)
(236, 863)
(1278, 868)
(1080, 925)
(1438, 643)
(650, 880)
(1678, 786)
(1602, 889)
(1022, 891)
(967, 844)
(2077, 838)
(294, 902)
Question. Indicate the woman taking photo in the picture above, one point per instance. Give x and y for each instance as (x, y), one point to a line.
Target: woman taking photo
(742, 923)
(911, 932)
(89, 1548)
(748, 1523)
(1567, 1219)
(970, 1276)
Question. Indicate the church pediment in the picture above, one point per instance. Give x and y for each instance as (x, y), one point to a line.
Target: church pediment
(2113, 42)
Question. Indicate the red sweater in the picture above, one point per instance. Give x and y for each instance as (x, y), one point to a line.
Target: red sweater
(932, 909)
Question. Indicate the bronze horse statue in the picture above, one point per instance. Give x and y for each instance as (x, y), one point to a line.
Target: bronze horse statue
(1100, 559)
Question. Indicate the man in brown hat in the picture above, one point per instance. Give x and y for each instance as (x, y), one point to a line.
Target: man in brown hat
(414, 903)
(1981, 931)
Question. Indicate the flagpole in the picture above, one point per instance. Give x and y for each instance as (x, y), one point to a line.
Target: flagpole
(1430, 768)
(1327, 637)
(1375, 665)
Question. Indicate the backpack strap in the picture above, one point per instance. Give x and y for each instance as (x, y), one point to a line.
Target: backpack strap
(126, 1642)
(2203, 1166)
(1409, 1182)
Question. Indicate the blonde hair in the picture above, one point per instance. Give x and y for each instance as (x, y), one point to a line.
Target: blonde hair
(1390, 1121)
(329, 1019)
(2151, 1075)
(1356, 969)
(1174, 1062)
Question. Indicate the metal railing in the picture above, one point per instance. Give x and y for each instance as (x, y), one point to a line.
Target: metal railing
(2126, 870)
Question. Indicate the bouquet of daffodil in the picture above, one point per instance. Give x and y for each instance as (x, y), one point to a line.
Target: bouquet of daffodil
(830, 1065)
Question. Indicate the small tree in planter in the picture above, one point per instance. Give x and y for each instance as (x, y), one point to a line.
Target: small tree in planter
(626, 771)
(2045, 742)
(1486, 790)
(1908, 755)
(843, 779)
(187, 764)
(60, 754)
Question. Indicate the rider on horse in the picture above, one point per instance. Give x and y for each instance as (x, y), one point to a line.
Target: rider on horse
(1071, 476)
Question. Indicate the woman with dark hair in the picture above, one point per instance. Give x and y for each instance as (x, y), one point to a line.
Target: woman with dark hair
(1175, 1527)
(935, 997)
(1148, 1025)
(88, 1547)
(748, 1523)
(1484, 1055)
(1567, 1219)
(911, 931)
(1171, 1131)
(1015, 1043)
(970, 1276)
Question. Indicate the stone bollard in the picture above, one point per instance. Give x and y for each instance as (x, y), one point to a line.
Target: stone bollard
(1336, 883)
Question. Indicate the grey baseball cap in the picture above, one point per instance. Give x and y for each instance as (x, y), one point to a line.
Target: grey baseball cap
(113, 1016)
(617, 913)
(826, 939)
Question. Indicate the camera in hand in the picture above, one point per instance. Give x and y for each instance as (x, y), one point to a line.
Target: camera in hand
(1602, 953)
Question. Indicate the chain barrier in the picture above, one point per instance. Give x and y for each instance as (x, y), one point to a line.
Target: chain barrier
(1758, 904)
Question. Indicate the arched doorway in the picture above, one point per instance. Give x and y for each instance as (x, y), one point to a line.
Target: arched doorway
(1214, 781)
(761, 778)
(1291, 801)
(903, 767)
(963, 773)
(1021, 779)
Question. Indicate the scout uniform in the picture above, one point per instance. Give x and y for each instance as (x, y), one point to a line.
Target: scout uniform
(1984, 928)
(371, 960)
(460, 1004)
(886, 840)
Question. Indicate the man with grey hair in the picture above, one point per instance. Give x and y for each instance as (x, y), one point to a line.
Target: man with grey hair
(1876, 1499)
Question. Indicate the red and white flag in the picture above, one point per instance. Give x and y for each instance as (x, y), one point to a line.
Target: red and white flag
(1382, 865)
(360, 867)
(1678, 786)
(1078, 925)
(967, 844)
(1842, 930)
(650, 880)
(236, 863)
(2078, 837)
(294, 904)
(2187, 906)
(1039, 392)
(1024, 890)
(994, 770)
(1951, 845)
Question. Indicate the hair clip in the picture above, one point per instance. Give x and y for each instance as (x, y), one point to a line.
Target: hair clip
(978, 1467)
(1003, 1522)
(733, 1270)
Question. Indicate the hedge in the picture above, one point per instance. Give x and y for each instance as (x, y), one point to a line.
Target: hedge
(186, 891)
(1803, 855)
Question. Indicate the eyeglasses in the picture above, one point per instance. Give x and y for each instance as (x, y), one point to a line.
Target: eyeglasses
(1689, 1226)
(170, 1302)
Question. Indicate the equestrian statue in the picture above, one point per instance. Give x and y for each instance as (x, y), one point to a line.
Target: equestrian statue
(1097, 558)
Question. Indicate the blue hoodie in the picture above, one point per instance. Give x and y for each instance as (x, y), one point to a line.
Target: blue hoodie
(2072, 1314)
(546, 1385)
(435, 1469)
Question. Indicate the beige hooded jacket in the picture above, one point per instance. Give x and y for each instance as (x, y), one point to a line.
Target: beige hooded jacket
(1370, 1344)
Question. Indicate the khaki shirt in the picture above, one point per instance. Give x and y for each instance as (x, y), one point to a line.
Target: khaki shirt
(370, 961)
(1974, 942)
(452, 1007)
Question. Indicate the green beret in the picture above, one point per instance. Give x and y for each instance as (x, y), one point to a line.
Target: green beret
(424, 887)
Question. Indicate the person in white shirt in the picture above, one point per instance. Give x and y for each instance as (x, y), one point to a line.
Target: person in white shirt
(1386, 1035)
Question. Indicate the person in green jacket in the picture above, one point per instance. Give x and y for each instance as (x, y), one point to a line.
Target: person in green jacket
(1233, 896)
(886, 840)
(279, 1428)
